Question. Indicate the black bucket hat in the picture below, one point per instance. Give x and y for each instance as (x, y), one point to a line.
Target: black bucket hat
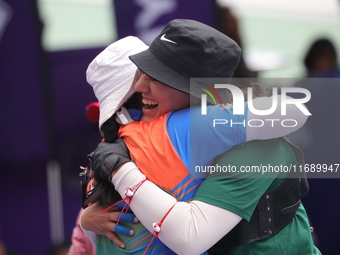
(188, 49)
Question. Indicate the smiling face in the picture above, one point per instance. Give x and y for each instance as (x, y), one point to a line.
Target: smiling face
(159, 99)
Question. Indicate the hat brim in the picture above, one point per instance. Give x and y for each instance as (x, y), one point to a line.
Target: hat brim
(151, 65)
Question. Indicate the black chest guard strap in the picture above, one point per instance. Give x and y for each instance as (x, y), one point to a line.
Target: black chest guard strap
(273, 212)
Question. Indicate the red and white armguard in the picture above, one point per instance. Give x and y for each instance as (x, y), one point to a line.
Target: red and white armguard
(186, 228)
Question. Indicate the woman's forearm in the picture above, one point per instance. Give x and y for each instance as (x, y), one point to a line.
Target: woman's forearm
(189, 228)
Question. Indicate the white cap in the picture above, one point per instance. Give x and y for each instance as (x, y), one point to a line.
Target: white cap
(111, 75)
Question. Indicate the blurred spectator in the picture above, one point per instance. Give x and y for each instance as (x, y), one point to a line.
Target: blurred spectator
(227, 23)
(320, 141)
(321, 59)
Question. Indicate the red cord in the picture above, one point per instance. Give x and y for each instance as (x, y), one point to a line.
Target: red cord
(154, 233)
(128, 200)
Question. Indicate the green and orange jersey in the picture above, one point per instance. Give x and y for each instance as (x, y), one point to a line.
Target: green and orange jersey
(162, 150)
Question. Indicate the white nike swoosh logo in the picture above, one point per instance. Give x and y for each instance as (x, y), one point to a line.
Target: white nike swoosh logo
(166, 39)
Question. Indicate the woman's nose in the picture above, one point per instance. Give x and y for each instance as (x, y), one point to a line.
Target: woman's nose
(142, 84)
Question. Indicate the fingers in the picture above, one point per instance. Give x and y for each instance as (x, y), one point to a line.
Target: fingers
(116, 228)
(122, 216)
(114, 216)
(127, 217)
(124, 230)
(114, 238)
(105, 224)
(121, 205)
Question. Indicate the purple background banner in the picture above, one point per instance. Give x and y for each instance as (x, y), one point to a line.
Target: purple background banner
(42, 114)
(43, 100)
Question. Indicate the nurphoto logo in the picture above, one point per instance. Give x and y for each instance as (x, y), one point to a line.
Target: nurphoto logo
(238, 100)
(279, 102)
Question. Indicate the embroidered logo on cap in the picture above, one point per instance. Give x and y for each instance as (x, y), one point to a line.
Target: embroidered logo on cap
(166, 39)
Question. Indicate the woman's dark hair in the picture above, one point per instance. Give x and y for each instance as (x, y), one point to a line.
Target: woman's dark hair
(104, 193)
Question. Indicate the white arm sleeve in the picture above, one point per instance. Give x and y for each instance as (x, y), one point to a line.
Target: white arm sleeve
(91, 235)
(273, 125)
(189, 228)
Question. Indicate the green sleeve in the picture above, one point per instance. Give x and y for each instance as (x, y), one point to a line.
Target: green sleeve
(239, 192)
